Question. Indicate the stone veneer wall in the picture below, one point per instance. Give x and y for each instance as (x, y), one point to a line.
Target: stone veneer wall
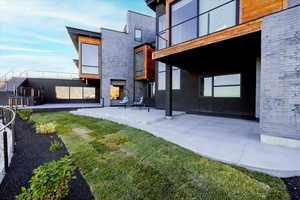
(280, 76)
(117, 52)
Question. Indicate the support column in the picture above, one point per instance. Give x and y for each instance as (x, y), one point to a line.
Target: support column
(169, 103)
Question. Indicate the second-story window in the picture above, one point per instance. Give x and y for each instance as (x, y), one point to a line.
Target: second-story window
(183, 29)
(139, 63)
(89, 58)
(138, 35)
(216, 15)
(195, 18)
(162, 36)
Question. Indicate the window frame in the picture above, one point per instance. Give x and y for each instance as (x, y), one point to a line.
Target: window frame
(159, 73)
(176, 69)
(135, 38)
(237, 21)
(142, 51)
(201, 88)
(70, 95)
(81, 58)
(158, 32)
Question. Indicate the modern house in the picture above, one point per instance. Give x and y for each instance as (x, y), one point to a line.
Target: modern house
(238, 58)
(119, 63)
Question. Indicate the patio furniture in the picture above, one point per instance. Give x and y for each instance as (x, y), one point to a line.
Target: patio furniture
(124, 102)
(139, 102)
(142, 102)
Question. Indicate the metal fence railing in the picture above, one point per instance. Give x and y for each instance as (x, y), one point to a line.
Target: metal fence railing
(7, 137)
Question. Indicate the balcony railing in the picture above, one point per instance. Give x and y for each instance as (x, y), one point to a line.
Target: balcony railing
(203, 24)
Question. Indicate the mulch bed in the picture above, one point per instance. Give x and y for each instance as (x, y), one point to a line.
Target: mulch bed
(293, 186)
(32, 150)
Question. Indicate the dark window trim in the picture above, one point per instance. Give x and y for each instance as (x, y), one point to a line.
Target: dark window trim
(135, 53)
(201, 93)
(135, 38)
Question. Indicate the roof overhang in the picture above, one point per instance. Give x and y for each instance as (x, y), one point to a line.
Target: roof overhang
(152, 3)
(145, 44)
(74, 33)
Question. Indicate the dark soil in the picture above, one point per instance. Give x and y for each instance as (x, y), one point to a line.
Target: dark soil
(32, 150)
(293, 186)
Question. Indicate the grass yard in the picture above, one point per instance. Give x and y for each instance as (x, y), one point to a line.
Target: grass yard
(124, 163)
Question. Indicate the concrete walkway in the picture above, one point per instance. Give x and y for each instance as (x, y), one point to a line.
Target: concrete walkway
(228, 140)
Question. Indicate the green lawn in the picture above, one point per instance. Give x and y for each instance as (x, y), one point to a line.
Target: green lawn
(120, 162)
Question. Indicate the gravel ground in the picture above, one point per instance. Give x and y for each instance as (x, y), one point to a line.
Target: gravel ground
(32, 150)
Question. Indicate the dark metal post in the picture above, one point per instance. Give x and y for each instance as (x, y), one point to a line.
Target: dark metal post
(169, 103)
(2, 115)
(5, 150)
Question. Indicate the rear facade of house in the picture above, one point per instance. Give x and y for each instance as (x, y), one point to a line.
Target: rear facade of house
(236, 58)
(118, 62)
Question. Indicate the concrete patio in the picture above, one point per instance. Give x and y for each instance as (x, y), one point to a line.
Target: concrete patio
(228, 140)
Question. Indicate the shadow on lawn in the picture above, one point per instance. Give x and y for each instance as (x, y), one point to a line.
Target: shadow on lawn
(32, 150)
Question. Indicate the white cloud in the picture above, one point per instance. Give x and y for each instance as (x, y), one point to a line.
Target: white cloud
(14, 40)
(90, 13)
(10, 48)
(48, 39)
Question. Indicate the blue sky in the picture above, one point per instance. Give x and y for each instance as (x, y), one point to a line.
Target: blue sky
(33, 34)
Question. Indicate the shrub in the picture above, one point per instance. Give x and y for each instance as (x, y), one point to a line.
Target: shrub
(45, 128)
(25, 114)
(50, 181)
(56, 145)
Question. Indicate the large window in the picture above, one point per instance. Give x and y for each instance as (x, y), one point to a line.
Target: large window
(186, 30)
(116, 92)
(216, 15)
(195, 18)
(221, 86)
(89, 93)
(76, 93)
(139, 63)
(62, 92)
(68, 93)
(89, 59)
(175, 78)
(162, 40)
(162, 77)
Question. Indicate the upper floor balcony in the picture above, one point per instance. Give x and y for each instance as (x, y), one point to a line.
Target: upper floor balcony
(188, 24)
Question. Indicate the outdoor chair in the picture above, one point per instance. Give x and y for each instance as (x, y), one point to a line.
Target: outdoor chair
(124, 101)
(139, 102)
